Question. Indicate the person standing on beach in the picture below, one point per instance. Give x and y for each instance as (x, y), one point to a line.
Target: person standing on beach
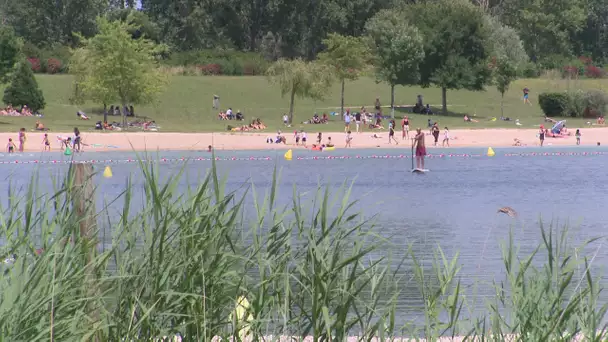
(358, 121)
(578, 136)
(22, 139)
(347, 121)
(391, 133)
(46, 142)
(348, 139)
(296, 135)
(435, 132)
(420, 149)
(541, 135)
(10, 147)
(405, 128)
(77, 141)
(303, 138)
(446, 137)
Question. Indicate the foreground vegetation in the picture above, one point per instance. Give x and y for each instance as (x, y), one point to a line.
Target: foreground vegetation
(178, 263)
(186, 105)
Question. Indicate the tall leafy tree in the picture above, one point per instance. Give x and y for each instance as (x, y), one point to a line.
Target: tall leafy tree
(114, 67)
(23, 89)
(10, 49)
(508, 57)
(399, 50)
(48, 22)
(298, 78)
(456, 44)
(545, 26)
(347, 56)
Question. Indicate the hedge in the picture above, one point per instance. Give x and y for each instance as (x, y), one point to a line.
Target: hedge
(230, 62)
(578, 103)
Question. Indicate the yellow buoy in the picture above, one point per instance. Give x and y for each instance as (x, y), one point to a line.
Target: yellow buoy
(491, 152)
(288, 155)
(107, 172)
(241, 318)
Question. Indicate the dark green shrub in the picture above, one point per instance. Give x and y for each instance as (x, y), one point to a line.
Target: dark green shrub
(23, 88)
(530, 70)
(553, 104)
(596, 102)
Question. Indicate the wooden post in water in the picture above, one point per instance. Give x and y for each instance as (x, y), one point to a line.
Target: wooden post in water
(84, 205)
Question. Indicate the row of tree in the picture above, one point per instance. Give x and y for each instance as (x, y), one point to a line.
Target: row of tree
(466, 49)
(295, 28)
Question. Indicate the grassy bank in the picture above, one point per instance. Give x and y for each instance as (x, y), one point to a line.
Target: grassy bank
(178, 263)
(186, 105)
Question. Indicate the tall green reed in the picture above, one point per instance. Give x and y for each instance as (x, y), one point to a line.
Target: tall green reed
(176, 265)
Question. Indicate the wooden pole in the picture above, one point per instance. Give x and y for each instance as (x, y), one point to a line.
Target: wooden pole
(84, 206)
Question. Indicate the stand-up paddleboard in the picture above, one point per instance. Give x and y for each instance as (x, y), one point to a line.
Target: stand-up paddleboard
(420, 170)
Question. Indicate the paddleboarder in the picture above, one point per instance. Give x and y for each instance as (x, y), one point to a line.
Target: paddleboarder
(420, 149)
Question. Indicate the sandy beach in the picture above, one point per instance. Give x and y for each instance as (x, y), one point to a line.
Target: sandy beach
(153, 141)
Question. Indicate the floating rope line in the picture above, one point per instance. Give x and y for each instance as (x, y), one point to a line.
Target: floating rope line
(330, 157)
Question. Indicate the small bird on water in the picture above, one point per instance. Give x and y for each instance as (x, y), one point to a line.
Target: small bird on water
(508, 210)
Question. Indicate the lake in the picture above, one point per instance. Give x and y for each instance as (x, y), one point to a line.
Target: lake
(454, 205)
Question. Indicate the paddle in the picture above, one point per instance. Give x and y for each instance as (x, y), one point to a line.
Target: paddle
(412, 154)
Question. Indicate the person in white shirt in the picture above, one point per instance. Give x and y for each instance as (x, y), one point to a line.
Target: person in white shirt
(229, 113)
(446, 137)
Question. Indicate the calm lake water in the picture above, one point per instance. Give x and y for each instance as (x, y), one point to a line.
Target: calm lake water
(454, 205)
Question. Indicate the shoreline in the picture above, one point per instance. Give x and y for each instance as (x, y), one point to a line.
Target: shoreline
(153, 141)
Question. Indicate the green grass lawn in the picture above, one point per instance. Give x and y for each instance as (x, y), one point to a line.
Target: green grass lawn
(186, 104)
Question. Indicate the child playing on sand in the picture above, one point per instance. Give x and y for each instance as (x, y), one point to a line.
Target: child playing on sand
(303, 138)
(348, 139)
(578, 136)
(10, 147)
(296, 135)
(446, 137)
(329, 143)
(46, 142)
(21, 139)
(319, 138)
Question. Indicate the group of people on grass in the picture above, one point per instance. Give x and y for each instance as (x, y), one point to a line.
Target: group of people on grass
(11, 111)
(229, 115)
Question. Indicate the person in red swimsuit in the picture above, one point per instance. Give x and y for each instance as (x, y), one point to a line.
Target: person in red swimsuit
(420, 149)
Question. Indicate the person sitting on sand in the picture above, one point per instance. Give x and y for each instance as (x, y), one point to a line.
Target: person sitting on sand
(516, 142)
(329, 143)
(468, 119)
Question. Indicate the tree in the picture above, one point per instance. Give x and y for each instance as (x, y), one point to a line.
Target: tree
(545, 26)
(23, 88)
(10, 49)
(114, 67)
(457, 46)
(508, 56)
(299, 78)
(347, 56)
(49, 22)
(399, 50)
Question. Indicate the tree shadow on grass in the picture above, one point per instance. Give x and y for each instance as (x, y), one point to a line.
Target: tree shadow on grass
(437, 112)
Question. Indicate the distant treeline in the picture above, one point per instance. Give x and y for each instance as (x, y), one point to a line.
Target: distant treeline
(555, 33)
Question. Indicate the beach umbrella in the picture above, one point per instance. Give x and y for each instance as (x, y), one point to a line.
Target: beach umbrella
(558, 126)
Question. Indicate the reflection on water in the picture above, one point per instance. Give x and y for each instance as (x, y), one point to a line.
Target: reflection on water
(453, 206)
